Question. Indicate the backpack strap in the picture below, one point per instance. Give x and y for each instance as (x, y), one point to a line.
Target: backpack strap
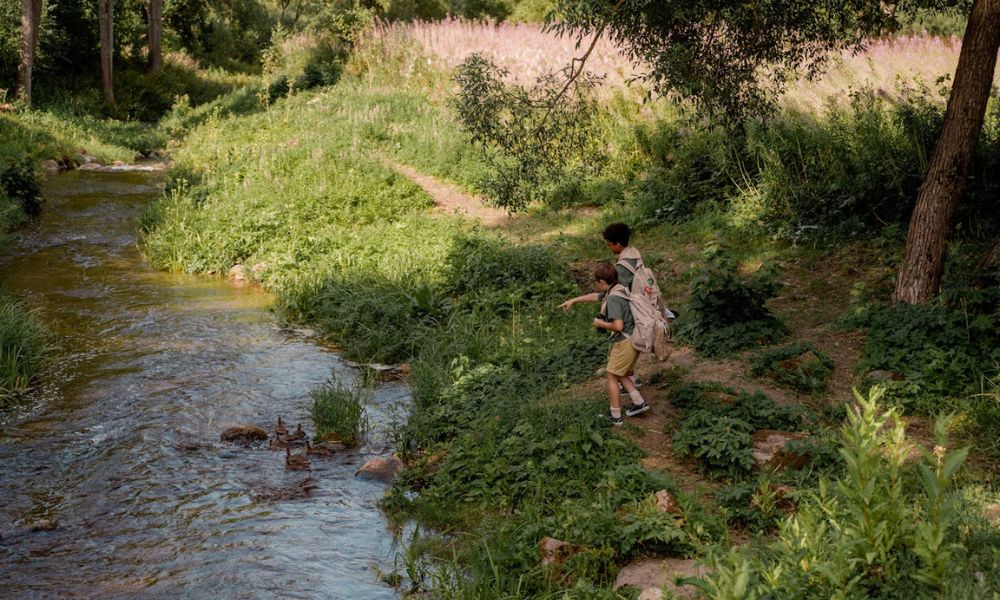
(619, 291)
(628, 254)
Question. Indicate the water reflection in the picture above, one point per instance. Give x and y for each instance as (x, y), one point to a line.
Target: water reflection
(122, 448)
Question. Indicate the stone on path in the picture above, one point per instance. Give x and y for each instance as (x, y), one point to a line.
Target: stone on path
(769, 449)
(244, 434)
(381, 469)
(555, 552)
(666, 503)
(652, 575)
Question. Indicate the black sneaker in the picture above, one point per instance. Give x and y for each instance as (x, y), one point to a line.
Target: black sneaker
(623, 392)
(616, 421)
(637, 409)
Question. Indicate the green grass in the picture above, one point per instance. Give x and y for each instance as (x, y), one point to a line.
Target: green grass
(300, 189)
(339, 411)
(23, 347)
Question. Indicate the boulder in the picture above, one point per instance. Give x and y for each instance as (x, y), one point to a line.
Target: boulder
(238, 274)
(651, 594)
(884, 375)
(992, 514)
(666, 503)
(50, 166)
(555, 552)
(653, 575)
(769, 450)
(258, 269)
(244, 434)
(381, 469)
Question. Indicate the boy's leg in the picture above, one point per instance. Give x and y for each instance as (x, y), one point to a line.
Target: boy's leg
(613, 395)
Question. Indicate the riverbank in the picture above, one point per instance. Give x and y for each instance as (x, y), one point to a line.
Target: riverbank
(506, 445)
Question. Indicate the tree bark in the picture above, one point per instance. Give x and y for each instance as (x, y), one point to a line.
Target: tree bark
(988, 270)
(920, 274)
(31, 15)
(106, 20)
(154, 9)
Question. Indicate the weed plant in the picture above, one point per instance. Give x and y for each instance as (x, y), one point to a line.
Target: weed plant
(728, 311)
(339, 411)
(23, 347)
(944, 349)
(868, 534)
(799, 366)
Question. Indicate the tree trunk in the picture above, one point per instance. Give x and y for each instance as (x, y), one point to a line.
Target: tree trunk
(106, 20)
(920, 274)
(154, 10)
(31, 15)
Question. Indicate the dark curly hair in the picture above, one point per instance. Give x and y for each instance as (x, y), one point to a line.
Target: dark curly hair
(617, 233)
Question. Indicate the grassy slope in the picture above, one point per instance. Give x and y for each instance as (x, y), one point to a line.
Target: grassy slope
(302, 190)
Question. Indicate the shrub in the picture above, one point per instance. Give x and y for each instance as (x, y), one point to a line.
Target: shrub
(19, 182)
(729, 312)
(722, 444)
(866, 534)
(799, 366)
(23, 347)
(944, 349)
(339, 411)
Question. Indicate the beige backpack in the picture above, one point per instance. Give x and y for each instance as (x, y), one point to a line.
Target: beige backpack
(652, 334)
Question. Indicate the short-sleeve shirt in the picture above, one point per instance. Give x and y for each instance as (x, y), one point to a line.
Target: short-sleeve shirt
(617, 308)
(624, 275)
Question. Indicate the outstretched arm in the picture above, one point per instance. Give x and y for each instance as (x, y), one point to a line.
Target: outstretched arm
(594, 297)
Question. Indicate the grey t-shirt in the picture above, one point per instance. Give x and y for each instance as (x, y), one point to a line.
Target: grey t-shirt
(617, 308)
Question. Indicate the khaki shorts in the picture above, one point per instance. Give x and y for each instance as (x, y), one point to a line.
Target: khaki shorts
(622, 358)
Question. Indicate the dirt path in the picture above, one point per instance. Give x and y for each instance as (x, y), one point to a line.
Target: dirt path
(449, 199)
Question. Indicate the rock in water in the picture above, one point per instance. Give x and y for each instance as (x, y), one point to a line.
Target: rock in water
(244, 434)
(381, 469)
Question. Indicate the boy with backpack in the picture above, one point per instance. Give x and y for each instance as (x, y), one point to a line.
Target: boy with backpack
(616, 318)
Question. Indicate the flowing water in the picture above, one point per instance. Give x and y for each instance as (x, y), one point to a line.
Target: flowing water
(121, 449)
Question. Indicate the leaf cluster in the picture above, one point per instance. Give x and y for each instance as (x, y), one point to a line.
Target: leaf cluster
(729, 311)
(799, 366)
(532, 136)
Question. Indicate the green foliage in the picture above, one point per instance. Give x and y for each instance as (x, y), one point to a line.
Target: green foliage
(677, 42)
(799, 366)
(340, 410)
(23, 347)
(943, 349)
(729, 312)
(866, 534)
(722, 444)
(532, 137)
(717, 424)
(19, 182)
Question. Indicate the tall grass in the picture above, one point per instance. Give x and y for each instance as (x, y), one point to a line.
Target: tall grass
(23, 347)
(339, 411)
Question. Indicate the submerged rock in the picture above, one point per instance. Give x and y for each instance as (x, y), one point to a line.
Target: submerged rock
(381, 469)
(50, 166)
(244, 434)
(42, 525)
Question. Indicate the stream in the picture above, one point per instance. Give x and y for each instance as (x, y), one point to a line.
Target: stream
(120, 447)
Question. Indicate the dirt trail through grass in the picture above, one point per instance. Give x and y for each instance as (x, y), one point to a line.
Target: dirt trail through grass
(449, 199)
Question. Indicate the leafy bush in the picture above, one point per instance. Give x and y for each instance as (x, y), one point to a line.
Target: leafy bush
(866, 534)
(19, 182)
(729, 312)
(943, 349)
(23, 347)
(340, 411)
(722, 444)
(799, 366)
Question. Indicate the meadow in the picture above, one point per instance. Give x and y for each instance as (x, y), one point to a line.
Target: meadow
(786, 233)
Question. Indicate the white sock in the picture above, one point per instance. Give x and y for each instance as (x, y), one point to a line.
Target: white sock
(616, 413)
(637, 399)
